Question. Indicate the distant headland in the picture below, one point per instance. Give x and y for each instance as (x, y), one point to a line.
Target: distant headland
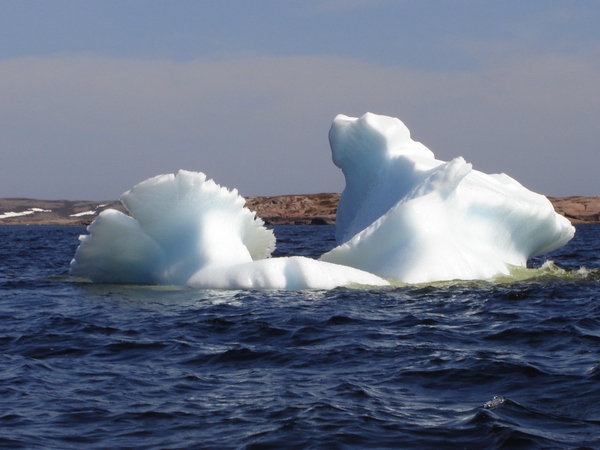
(308, 209)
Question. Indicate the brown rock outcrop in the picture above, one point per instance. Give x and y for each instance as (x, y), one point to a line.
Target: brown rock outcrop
(578, 209)
(315, 209)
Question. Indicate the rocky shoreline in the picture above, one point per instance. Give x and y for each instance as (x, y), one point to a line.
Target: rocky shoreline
(309, 209)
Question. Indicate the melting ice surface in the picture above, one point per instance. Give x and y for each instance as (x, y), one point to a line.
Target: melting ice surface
(187, 230)
(403, 216)
(407, 216)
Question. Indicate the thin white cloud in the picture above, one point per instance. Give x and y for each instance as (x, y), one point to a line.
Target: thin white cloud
(91, 127)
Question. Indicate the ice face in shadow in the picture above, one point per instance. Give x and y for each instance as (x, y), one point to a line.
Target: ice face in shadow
(187, 230)
(406, 216)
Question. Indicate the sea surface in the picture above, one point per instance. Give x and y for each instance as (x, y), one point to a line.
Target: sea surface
(509, 364)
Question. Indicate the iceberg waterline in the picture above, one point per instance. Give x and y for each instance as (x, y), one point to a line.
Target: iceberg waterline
(403, 216)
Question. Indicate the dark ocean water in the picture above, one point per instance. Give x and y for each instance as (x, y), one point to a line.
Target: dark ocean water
(453, 365)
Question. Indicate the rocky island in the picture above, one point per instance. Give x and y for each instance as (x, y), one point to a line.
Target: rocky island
(308, 209)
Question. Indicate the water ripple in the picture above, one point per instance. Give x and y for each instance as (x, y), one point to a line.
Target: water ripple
(504, 364)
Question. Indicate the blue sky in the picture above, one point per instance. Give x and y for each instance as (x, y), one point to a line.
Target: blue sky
(96, 96)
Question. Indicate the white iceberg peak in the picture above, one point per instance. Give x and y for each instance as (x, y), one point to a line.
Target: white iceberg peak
(412, 218)
(381, 164)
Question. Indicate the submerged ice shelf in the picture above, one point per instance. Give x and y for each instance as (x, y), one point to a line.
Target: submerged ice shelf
(403, 216)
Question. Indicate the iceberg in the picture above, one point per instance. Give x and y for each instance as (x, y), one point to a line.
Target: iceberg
(187, 230)
(403, 216)
(407, 216)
